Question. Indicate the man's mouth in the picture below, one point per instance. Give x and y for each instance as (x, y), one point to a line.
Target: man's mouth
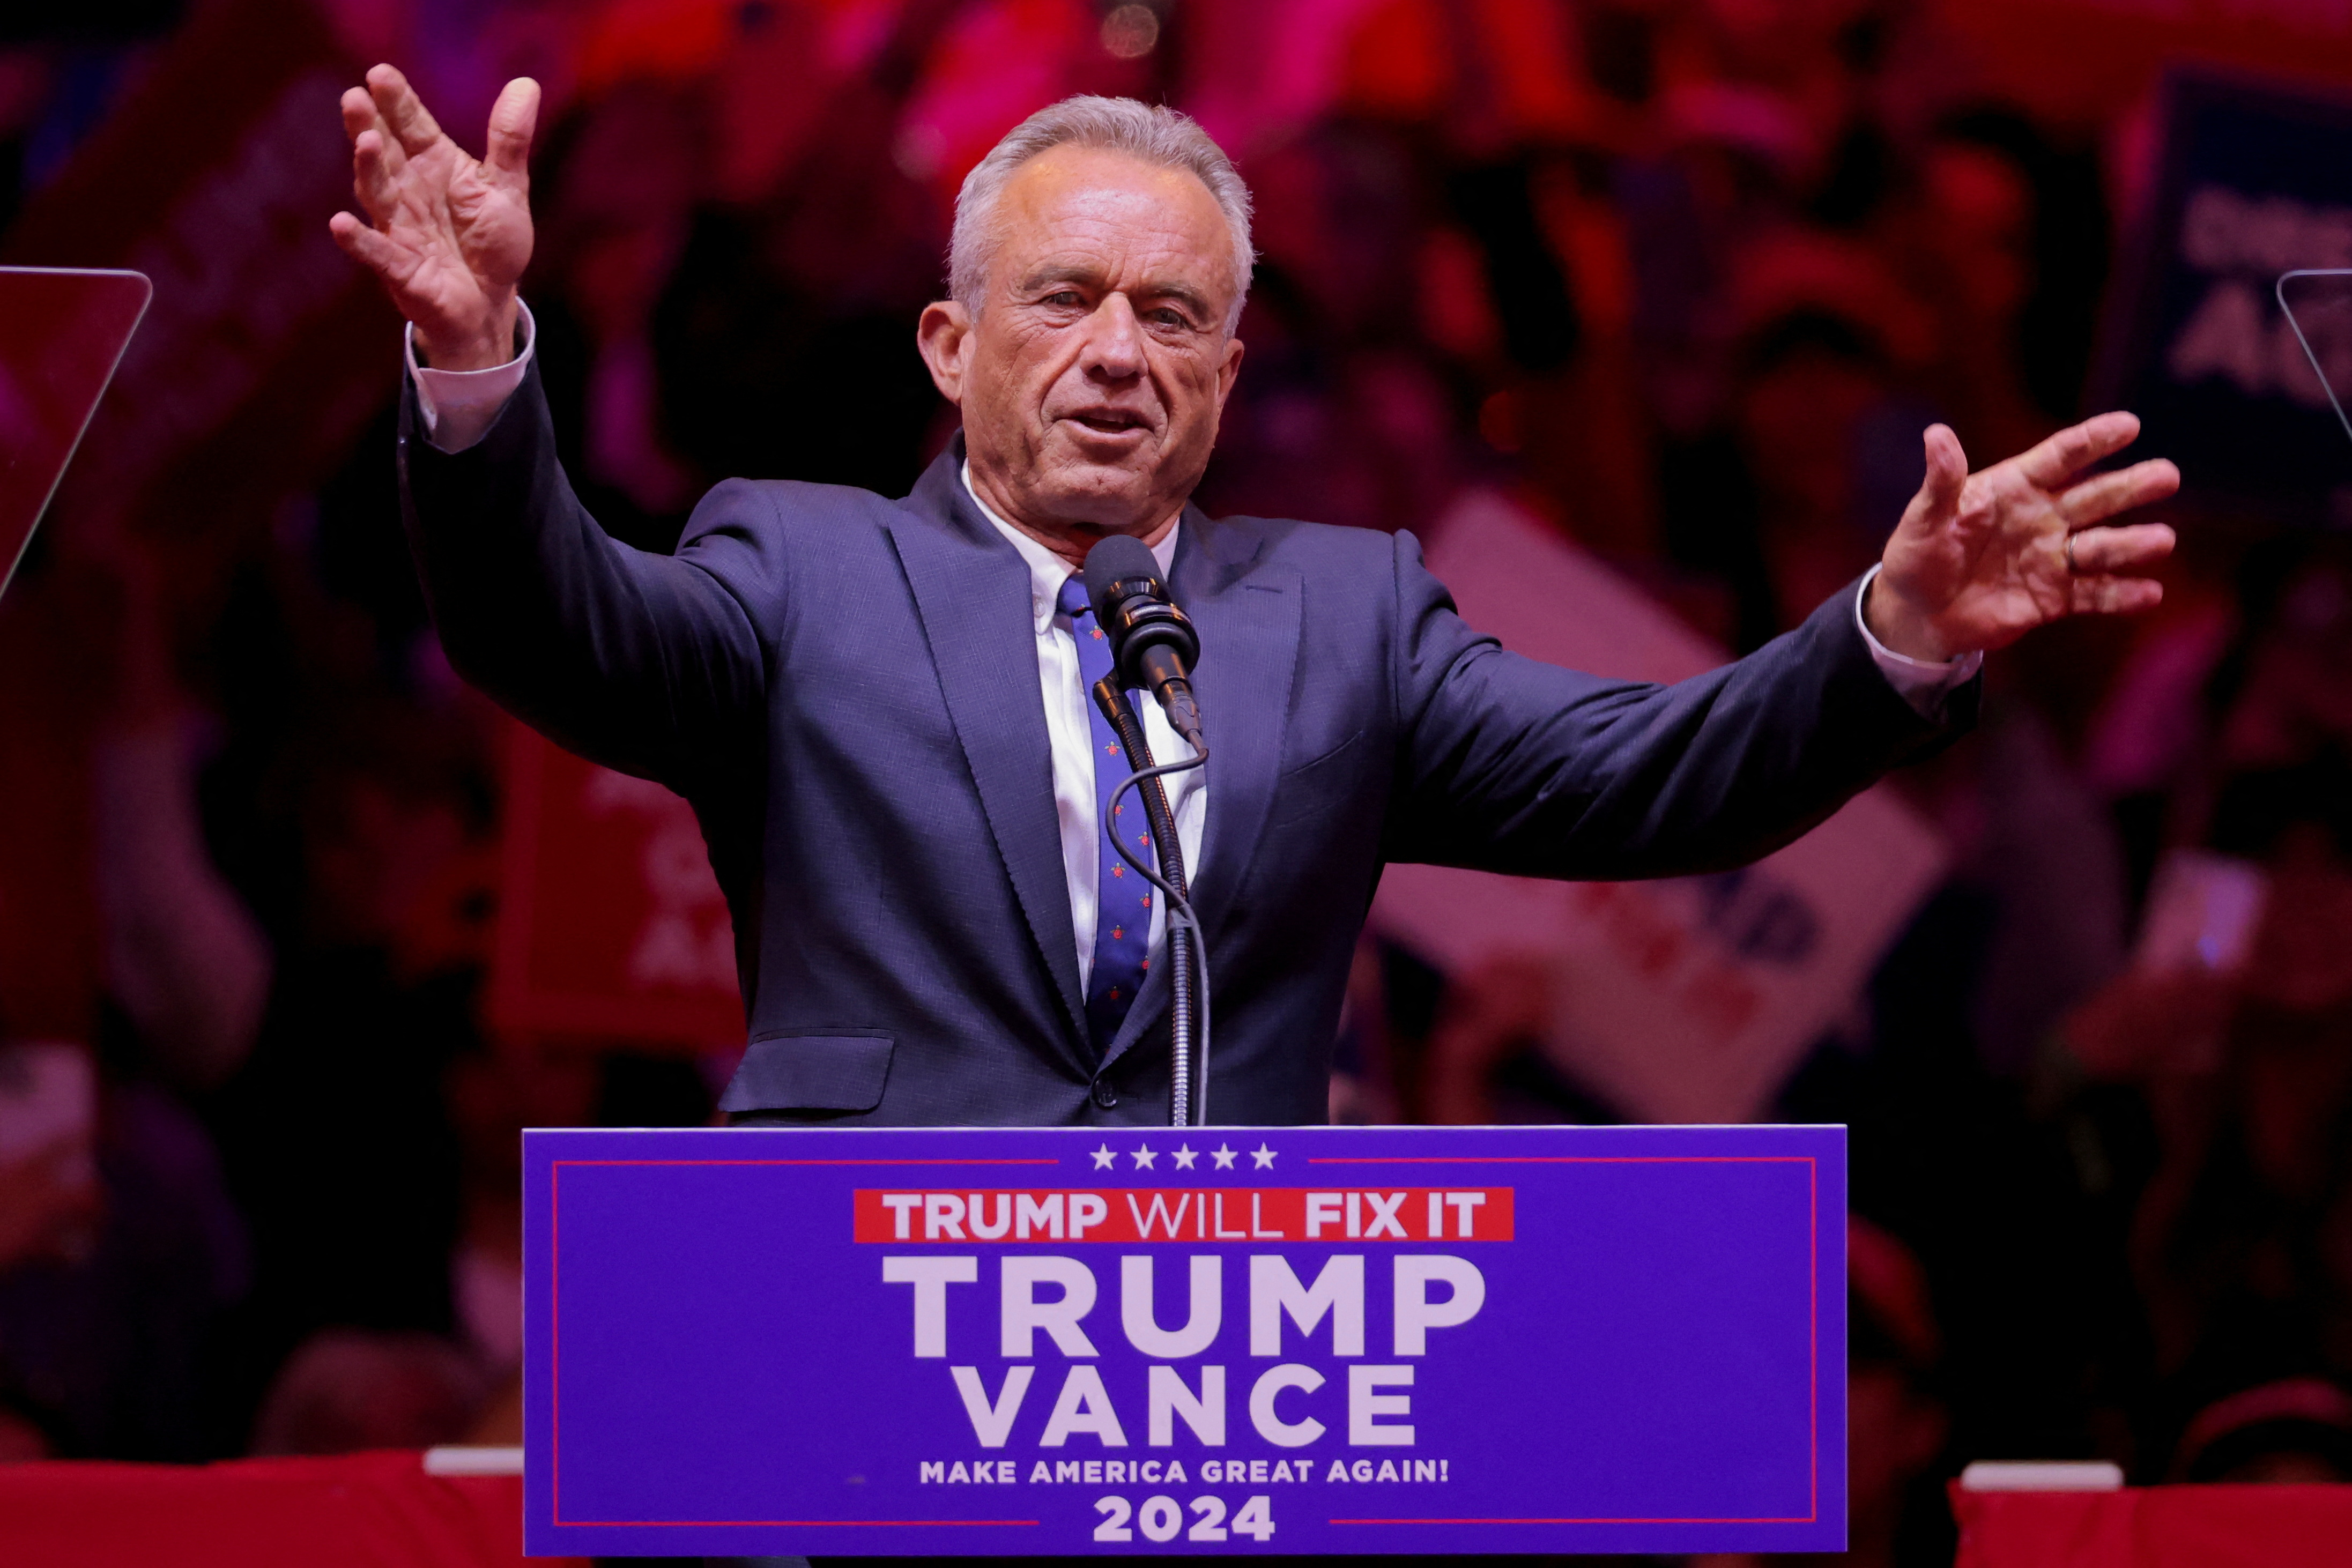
(1108, 421)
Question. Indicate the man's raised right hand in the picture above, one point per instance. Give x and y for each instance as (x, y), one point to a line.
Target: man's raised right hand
(446, 235)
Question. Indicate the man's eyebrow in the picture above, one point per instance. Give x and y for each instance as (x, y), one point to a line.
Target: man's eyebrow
(1188, 298)
(1059, 272)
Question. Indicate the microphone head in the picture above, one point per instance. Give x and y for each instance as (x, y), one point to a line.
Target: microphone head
(1119, 567)
(1133, 607)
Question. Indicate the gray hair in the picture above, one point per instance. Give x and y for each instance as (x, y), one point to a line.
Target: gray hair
(1155, 135)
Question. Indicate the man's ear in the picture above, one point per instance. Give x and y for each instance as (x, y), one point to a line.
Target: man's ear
(1228, 372)
(943, 337)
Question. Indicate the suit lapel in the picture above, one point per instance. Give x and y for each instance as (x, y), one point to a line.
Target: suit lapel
(971, 589)
(1248, 621)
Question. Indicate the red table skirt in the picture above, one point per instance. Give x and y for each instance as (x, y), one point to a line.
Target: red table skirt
(2157, 1527)
(362, 1511)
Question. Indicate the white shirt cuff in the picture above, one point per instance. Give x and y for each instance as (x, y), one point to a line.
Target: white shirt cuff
(1919, 681)
(458, 406)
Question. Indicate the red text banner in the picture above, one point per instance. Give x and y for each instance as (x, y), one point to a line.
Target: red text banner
(1130, 1214)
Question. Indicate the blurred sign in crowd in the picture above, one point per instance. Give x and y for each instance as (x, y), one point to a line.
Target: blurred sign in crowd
(2249, 187)
(1688, 999)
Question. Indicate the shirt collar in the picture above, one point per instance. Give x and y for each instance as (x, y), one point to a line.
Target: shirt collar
(1048, 571)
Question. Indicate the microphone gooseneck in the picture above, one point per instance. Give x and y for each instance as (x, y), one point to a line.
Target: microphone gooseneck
(1152, 643)
(1188, 1008)
(1154, 646)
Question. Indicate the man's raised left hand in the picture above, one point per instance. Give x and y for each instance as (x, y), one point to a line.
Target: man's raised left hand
(1979, 559)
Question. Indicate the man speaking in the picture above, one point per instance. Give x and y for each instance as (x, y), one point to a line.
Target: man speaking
(878, 710)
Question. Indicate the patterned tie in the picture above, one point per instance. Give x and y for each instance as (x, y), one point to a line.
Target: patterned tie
(1122, 899)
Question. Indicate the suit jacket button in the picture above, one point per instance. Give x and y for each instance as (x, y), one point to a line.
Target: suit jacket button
(1103, 1096)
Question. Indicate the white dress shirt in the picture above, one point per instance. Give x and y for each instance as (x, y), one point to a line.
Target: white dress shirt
(458, 406)
(1067, 707)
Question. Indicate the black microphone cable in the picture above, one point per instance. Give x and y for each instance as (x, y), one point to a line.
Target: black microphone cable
(1187, 944)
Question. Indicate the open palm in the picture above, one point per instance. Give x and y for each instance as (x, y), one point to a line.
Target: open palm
(447, 235)
(1979, 559)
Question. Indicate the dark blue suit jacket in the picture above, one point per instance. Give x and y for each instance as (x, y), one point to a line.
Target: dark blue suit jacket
(845, 686)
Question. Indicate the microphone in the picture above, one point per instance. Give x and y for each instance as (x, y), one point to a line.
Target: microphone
(1152, 644)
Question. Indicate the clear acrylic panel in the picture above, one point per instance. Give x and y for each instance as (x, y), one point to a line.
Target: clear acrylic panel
(62, 332)
(2318, 302)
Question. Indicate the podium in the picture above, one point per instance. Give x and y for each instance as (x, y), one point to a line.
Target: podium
(1083, 1340)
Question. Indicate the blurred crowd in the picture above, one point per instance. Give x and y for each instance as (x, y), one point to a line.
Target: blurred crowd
(1683, 279)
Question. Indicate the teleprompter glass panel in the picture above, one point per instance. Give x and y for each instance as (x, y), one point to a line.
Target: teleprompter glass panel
(62, 332)
(2317, 303)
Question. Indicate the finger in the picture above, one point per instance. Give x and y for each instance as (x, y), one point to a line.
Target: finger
(359, 112)
(2115, 595)
(403, 110)
(2078, 446)
(1947, 476)
(512, 120)
(2128, 549)
(360, 121)
(367, 247)
(372, 180)
(2103, 495)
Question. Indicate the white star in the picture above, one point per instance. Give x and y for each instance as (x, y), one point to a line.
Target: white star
(1144, 1158)
(1263, 1155)
(1103, 1157)
(1184, 1159)
(1224, 1154)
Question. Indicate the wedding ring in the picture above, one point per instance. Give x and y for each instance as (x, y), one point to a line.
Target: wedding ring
(2071, 569)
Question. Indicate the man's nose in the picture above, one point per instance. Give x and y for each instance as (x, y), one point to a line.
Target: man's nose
(1114, 347)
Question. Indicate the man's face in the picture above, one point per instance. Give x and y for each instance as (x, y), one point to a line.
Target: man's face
(1092, 378)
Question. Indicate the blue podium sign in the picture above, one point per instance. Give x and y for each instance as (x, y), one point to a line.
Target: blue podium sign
(1001, 1342)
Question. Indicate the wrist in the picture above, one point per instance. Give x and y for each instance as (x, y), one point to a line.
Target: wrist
(484, 347)
(1901, 626)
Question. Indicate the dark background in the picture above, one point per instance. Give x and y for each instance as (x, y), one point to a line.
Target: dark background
(1682, 278)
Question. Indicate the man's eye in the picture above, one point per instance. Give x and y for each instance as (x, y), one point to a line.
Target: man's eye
(1061, 297)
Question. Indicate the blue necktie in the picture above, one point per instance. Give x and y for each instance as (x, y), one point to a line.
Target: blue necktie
(1122, 899)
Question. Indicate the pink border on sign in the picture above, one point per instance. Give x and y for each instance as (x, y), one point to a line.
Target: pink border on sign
(1813, 1322)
